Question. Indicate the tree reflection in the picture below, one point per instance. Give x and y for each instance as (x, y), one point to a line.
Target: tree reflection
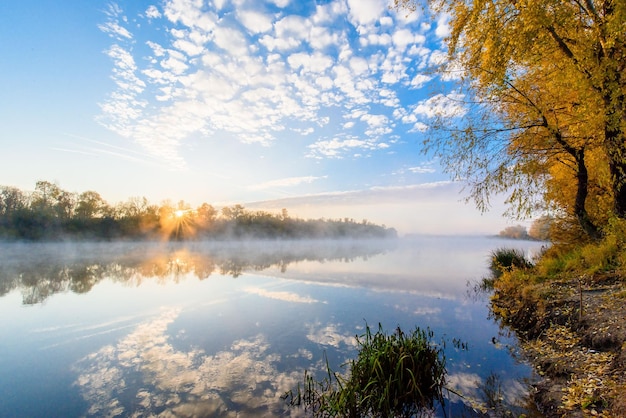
(42, 270)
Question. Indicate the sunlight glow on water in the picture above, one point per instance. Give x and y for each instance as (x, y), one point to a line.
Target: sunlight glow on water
(195, 330)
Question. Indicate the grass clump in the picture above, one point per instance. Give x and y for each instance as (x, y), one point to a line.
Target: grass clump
(507, 259)
(587, 258)
(397, 375)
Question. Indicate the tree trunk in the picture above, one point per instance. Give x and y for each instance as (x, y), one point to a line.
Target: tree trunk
(582, 190)
(582, 187)
(617, 165)
(615, 138)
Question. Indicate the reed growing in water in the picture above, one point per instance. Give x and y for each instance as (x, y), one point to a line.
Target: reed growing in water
(396, 375)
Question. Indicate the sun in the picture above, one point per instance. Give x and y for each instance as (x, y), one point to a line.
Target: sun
(178, 224)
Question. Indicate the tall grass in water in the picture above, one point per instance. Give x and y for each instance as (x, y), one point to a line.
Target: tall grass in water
(397, 375)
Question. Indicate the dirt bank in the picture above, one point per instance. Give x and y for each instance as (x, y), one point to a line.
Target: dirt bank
(574, 332)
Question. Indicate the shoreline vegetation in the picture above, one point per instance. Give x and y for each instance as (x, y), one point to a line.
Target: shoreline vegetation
(50, 213)
(544, 98)
(568, 308)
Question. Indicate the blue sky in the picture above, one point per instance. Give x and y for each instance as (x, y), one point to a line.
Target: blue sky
(322, 103)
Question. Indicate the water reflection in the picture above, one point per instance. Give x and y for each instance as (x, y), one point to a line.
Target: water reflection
(147, 369)
(138, 330)
(42, 270)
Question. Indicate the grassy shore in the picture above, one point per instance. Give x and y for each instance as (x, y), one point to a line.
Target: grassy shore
(569, 309)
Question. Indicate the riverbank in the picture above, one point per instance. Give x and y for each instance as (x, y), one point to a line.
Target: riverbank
(573, 331)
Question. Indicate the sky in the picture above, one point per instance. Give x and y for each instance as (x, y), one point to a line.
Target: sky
(320, 107)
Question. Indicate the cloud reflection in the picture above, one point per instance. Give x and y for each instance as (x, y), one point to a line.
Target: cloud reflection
(329, 334)
(145, 375)
(284, 296)
(493, 395)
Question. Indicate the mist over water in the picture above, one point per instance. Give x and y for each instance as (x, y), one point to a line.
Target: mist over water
(225, 328)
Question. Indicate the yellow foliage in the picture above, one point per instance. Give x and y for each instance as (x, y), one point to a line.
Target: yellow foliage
(550, 128)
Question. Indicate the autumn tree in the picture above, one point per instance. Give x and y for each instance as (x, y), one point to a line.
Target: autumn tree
(515, 232)
(546, 81)
(540, 228)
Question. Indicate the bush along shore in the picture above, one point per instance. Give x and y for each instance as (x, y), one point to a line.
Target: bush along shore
(568, 308)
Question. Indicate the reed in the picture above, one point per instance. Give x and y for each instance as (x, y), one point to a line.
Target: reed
(396, 375)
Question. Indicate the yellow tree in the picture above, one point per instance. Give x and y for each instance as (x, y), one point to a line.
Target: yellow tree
(548, 85)
(553, 133)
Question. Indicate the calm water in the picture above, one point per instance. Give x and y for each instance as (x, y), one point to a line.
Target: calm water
(225, 329)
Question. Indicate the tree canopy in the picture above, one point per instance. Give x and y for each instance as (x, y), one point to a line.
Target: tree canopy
(544, 82)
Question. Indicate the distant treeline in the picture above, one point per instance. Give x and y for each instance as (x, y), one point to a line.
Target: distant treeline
(51, 213)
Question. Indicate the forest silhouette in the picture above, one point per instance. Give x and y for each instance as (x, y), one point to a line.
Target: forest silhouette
(50, 213)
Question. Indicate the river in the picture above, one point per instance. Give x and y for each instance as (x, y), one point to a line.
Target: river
(225, 328)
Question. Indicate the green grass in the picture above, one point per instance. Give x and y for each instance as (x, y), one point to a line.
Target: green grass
(396, 375)
(507, 259)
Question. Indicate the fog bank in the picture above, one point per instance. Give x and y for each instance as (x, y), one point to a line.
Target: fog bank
(430, 208)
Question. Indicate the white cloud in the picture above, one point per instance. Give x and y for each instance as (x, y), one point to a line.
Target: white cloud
(422, 169)
(115, 30)
(404, 37)
(375, 121)
(419, 127)
(447, 106)
(255, 22)
(219, 4)
(281, 3)
(336, 148)
(359, 65)
(175, 62)
(364, 12)
(152, 12)
(292, 26)
(443, 27)
(438, 58)
(313, 63)
(386, 21)
(419, 80)
(322, 37)
(112, 25)
(231, 41)
(188, 47)
(253, 76)
(286, 182)
(383, 39)
(272, 43)
(190, 14)
(324, 82)
(327, 13)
